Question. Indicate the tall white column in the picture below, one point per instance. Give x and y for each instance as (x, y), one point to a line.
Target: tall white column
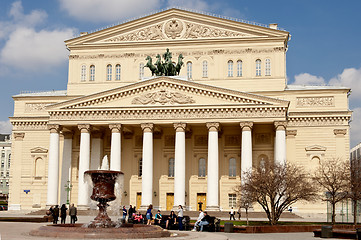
(66, 165)
(180, 164)
(84, 161)
(96, 150)
(115, 152)
(213, 168)
(147, 167)
(53, 165)
(246, 151)
(280, 142)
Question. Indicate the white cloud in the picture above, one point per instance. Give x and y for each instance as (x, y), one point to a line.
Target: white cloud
(5, 127)
(28, 49)
(308, 79)
(190, 4)
(25, 47)
(350, 77)
(355, 127)
(110, 10)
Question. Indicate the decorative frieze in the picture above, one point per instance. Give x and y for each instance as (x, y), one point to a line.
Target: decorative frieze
(263, 138)
(315, 101)
(318, 121)
(232, 140)
(200, 31)
(35, 107)
(340, 131)
(163, 97)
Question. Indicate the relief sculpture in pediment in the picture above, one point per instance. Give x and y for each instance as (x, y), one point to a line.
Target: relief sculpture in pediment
(150, 33)
(163, 97)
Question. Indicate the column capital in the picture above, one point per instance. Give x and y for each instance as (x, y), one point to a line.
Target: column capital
(147, 127)
(246, 126)
(115, 128)
(54, 128)
(84, 128)
(213, 126)
(280, 125)
(179, 127)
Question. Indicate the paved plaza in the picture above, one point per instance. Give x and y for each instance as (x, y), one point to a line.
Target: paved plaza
(20, 231)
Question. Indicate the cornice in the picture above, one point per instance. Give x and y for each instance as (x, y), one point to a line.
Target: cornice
(319, 121)
(29, 124)
(219, 112)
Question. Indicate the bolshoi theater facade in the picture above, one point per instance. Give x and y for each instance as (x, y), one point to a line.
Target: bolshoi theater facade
(180, 140)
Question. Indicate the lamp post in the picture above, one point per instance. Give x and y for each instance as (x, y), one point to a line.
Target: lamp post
(68, 187)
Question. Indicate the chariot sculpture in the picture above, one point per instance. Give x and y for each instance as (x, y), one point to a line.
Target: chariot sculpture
(166, 67)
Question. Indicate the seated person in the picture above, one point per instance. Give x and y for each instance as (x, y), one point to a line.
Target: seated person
(138, 218)
(172, 219)
(199, 219)
(158, 218)
(205, 221)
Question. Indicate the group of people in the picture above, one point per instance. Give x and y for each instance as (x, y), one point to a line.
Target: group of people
(202, 220)
(55, 212)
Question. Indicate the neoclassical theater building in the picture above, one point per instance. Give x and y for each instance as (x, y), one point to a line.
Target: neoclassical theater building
(179, 140)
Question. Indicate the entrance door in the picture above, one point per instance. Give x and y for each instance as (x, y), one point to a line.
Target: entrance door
(170, 201)
(201, 201)
(139, 200)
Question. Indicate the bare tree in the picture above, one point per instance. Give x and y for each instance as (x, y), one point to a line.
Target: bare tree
(355, 188)
(275, 187)
(245, 200)
(333, 175)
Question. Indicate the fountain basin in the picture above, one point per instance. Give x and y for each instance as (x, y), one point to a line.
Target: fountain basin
(76, 231)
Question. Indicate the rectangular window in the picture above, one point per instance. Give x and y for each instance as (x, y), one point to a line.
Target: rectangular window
(2, 164)
(92, 73)
(230, 68)
(83, 73)
(171, 167)
(232, 199)
(205, 69)
(258, 67)
(2, 154)
(239, 68)
(117, 72)
(141, 71)
(268, 67)
(109, 72)
(140, 167)
(189, 70)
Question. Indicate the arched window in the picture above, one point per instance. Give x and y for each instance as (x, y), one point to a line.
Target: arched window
(258, 67)
(239, 68)
(109, 72)
(171, 167)
(268, 67)
(140, 167)
(117, 72)
(232, 167)
(39, 167)
(92, 73)
(205, 69)
(230, 68)
(202, 167)
(189, 70)
(141, 70)
(83, 73)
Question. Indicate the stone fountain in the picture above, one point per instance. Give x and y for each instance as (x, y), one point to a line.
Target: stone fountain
(102, 227)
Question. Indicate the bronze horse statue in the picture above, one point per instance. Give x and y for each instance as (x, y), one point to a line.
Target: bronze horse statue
(150, 65)
(179, 64)
(166, 68)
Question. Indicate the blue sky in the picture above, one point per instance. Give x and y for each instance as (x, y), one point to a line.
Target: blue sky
(325, 48)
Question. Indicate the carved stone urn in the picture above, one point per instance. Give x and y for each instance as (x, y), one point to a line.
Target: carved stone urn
(103, 192)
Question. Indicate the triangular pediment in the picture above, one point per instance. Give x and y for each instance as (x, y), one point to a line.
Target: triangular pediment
(167, 92)
(38, 150)
(316, 148)
(177, 24)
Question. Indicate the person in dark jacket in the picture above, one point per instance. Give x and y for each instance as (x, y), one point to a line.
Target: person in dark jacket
(125, 212)
(56, 214)
(205, 221)
(172, 219)
(130, 213)
(63, 213)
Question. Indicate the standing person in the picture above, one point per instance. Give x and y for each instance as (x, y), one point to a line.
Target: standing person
(199, 219)
(63, 213)
(204, 221)
(231, 214)
(50, 212)
(239, 213)
(130, 212)
(72, 214)
(149, 215)
(124, 214)
(56, 214)
(180, 218)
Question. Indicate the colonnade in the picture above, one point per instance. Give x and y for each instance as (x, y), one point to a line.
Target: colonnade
(147, 158)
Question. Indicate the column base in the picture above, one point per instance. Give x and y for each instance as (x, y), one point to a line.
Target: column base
(83, 207)
(212, 208)
(16, 207)
(143, 207)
